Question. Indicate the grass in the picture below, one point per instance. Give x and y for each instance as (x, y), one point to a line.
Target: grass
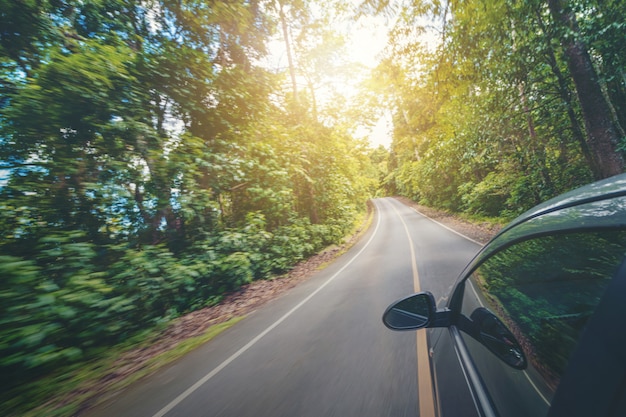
(70, 389)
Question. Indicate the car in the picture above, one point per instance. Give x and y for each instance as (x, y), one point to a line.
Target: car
(535, 325)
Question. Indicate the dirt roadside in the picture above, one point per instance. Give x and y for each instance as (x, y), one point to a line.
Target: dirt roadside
(252, 296)
(480, 232)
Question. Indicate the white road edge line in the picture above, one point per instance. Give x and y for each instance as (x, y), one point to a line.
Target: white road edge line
(162, 412)
(446, 227)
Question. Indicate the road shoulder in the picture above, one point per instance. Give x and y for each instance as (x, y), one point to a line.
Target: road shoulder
(480, 232)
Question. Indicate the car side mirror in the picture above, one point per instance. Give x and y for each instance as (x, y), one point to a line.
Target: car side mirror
(414, 312)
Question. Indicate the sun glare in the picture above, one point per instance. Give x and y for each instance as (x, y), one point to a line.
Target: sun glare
(365, 40)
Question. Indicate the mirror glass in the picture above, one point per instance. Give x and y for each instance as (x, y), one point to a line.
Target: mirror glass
(413, 312)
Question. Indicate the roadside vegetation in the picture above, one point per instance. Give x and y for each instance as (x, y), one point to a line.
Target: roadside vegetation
(151, 163)
(499, 105)
(152, 159)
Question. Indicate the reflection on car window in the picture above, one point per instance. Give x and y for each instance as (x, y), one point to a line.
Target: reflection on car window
(544, 290)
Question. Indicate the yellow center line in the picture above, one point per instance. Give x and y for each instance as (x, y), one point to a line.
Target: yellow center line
(424, 381)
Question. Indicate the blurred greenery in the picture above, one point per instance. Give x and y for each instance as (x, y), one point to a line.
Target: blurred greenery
(150, 164)
(76, 385)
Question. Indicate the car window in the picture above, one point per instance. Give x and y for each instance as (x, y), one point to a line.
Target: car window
(542, 291)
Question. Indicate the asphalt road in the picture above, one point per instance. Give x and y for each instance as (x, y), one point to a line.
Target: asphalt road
(321, 349)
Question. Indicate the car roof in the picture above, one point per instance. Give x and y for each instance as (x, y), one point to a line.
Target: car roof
(601, 190)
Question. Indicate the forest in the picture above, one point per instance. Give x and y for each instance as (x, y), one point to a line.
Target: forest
(151, 160)
(512, 103)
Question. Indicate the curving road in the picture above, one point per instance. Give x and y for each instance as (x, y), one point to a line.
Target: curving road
(321, 349)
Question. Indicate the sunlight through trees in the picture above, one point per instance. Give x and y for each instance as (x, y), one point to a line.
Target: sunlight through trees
(513, 103)
(157, 154)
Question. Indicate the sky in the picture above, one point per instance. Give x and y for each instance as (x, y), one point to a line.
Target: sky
(368, 40)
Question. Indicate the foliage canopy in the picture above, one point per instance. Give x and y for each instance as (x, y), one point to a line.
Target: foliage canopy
(499, 105)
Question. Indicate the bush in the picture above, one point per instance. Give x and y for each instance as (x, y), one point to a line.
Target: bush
(488, 197)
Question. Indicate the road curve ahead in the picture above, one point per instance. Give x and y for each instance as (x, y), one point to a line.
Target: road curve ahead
(321, 349)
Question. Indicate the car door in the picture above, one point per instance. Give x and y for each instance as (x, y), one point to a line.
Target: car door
(522, 313)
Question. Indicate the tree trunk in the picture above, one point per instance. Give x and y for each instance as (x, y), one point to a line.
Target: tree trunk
(538, 153)
(601, 133)
(313, 99)
(566, 96)
(292, 69)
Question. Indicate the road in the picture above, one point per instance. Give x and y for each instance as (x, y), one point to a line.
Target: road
(321, 349)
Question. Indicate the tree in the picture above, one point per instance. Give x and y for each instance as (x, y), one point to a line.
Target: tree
(489, 118)
(602, 135)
